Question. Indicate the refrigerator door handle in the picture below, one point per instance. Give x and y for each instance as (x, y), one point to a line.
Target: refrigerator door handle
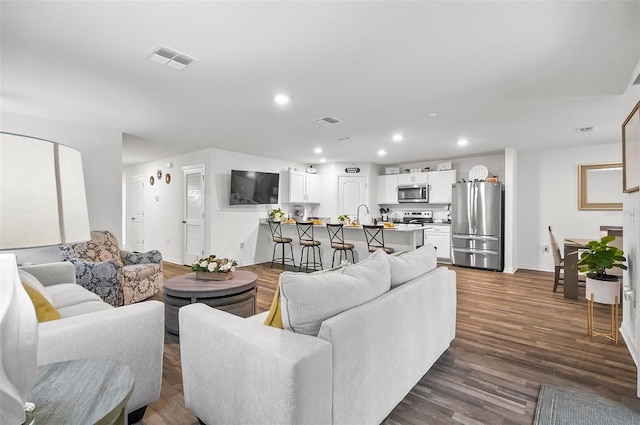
(474, 190)
(476, 238)
(475, 251)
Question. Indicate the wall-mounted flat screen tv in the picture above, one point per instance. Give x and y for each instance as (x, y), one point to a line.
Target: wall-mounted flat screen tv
(254, 187)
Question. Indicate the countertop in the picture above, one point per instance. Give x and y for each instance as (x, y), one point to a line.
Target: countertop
(398, 227)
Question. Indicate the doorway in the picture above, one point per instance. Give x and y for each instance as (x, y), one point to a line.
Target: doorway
(352, 191)
(194, 213)
(136, 222)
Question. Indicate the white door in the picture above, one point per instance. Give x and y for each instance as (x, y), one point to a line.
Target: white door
(136, 227)
(352, 191)
(194, 214)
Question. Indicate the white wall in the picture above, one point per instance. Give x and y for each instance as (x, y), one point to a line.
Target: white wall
(330, 174)
(495, 164)
(548, 196)
(511, 190)
(226, 226)
(101, 151)
(630, 328)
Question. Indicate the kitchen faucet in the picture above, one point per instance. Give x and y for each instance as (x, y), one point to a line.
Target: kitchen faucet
(358, 212)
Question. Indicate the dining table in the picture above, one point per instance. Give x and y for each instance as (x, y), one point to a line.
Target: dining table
(571, 248)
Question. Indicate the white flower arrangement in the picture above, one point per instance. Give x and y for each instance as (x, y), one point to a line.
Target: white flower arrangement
(213, 264)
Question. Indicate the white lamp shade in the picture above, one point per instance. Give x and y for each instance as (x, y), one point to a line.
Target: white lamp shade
(42, 194)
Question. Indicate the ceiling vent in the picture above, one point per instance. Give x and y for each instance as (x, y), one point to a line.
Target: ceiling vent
(584, 129)
(172, 58)
(341, 138)
(327, 120)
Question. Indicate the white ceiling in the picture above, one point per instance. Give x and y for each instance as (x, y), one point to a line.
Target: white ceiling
(501, 74)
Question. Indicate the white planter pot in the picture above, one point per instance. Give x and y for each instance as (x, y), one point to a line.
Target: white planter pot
(604, 291)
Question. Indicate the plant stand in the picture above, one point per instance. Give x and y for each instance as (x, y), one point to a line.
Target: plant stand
(603, 292)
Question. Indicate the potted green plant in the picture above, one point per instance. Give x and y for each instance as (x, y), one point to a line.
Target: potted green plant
(344, 219)
(595, 260)
(276, 214)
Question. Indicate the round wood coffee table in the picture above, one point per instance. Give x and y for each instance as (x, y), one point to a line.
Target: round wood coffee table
(236, 295)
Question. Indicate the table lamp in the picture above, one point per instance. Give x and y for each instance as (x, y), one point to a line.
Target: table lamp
(42, 203)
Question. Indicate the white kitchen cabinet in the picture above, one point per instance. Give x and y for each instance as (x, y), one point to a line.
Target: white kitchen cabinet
(440, 186)
(413, 178)
(313, 188)
(300, 188)
(388, 189)
(439, 235)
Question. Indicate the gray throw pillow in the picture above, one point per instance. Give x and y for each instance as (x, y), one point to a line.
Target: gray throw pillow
(309, 299)
(408, 265)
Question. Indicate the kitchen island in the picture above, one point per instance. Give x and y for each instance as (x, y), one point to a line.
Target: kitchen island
(402, 237)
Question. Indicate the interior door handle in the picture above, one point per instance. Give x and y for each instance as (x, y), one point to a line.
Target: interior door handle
(184, 221)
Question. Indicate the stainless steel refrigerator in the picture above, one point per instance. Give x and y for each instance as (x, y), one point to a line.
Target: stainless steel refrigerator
(477, 225)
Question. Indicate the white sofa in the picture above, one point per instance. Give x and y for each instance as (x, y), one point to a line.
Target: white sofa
(362, 363)
(91, 328)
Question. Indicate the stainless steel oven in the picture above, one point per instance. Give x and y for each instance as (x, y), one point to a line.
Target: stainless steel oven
(413, 193)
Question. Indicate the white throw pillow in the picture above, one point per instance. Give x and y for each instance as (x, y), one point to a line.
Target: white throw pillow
(34, 283)
(309, 299)
(408, 265)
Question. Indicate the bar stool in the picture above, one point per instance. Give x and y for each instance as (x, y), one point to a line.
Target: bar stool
(276, 235)
(374, 235)
(336, 238)
(307, 241)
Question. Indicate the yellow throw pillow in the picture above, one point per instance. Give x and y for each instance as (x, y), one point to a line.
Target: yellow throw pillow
(44, 309)
(275, 315)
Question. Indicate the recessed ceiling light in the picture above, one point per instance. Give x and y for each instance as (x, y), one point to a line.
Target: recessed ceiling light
(463, 142)
(318, 150)
(322, 160)
(281, 99)
(382, 152)
(397, 137)
(432, 115)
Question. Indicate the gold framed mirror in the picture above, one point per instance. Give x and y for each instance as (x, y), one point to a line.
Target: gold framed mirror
(600, 187)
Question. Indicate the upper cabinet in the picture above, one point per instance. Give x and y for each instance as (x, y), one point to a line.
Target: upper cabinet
(300, 187)
(438, 182)
(413, 178)
(440, 186)
(388, 189)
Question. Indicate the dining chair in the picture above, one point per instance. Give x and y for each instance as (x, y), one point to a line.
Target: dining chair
(336, 238)
(308, 242)
(374, 234)
(278, 239)
(558, 261)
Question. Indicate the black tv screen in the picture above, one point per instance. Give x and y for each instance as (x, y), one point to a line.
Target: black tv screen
(254, 187)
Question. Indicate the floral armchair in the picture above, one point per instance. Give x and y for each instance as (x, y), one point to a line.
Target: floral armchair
(118, 277)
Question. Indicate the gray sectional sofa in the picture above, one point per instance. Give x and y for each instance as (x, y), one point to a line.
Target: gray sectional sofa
(356, 340)
(91, 328)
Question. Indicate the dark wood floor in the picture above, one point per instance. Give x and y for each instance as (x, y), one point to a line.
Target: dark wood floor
(513, 334)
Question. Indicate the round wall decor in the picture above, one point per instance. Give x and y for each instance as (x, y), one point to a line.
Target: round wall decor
(152, 180)
(167, 178)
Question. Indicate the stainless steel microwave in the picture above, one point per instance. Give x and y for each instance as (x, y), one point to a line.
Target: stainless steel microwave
(413, 193)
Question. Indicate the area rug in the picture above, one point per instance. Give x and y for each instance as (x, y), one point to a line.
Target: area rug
(564, 406)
